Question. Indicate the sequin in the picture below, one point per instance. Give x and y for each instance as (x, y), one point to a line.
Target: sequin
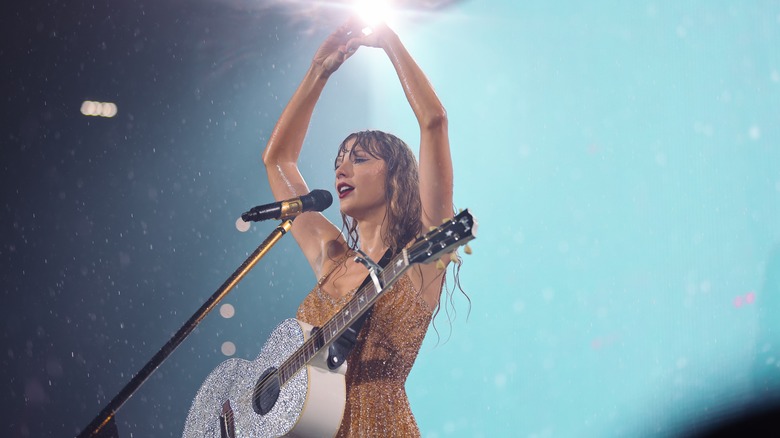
(378, 366)
(235, 380)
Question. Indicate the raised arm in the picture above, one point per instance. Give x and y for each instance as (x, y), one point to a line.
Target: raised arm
(436, 175)
(313, 232)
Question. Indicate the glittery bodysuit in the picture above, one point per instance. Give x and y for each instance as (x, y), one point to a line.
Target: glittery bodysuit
(377, 367)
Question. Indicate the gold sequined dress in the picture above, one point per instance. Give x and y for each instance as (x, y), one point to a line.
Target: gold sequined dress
(377, 367)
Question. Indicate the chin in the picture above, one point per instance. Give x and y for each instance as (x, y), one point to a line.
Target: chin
(346, 212)
(344, 209)
(350, 211)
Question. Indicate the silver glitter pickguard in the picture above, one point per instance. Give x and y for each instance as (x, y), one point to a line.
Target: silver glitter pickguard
(235, 379)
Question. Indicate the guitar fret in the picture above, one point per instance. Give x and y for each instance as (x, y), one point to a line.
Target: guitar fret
(329, 331)
(318, 340)
(453, 233)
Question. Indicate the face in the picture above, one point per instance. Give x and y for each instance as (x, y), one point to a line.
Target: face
(360, 182)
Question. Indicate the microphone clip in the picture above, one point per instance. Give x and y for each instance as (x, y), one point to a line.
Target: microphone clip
(290, 209)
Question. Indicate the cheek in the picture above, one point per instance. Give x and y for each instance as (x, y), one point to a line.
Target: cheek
(380, 177)
(380, 171)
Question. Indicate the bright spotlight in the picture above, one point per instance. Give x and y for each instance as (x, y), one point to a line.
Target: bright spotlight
(372, 12)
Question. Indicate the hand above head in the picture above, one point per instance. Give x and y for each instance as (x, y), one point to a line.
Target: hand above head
(333, 51)
(379, 36)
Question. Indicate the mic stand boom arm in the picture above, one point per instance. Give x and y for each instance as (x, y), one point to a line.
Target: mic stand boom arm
(107, 414)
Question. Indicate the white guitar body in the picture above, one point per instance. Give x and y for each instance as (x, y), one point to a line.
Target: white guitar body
(310, 404)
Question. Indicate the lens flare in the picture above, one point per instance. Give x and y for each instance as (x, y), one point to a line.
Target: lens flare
(372, 12)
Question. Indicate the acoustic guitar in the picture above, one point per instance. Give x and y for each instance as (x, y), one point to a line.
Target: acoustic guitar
(290, 389)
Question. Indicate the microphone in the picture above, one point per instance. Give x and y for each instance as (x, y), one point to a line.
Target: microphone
(317, 200)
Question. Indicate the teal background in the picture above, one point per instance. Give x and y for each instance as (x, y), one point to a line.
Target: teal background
(622, 159)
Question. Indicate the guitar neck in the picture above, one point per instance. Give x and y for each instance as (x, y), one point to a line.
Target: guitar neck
(335, 327)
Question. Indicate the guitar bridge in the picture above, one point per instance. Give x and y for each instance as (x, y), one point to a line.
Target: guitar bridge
(227, 426)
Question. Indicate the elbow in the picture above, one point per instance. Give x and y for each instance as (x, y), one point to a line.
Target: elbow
(268, 158)
(435, 120)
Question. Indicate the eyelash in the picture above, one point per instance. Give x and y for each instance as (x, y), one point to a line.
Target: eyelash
(355, 160)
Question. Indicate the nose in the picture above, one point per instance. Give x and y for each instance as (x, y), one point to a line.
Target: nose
(343, 168)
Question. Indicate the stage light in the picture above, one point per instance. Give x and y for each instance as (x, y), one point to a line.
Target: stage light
(102, 109)
(373, 12)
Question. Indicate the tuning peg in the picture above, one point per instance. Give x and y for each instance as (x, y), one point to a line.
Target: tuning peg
(467, 249)
(439, 265)
(454, 257)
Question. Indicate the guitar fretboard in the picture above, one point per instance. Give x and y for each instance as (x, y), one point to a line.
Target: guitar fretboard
(331, 330)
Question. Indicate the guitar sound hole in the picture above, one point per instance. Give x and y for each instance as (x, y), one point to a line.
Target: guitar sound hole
(266, 392)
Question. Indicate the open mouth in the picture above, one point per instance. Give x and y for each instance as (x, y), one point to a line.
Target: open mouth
(344, 190)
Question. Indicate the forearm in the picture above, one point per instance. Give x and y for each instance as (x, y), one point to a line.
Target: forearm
(286, 140)
(419, 92)
(436, 173)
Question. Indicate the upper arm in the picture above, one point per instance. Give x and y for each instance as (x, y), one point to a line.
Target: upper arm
(436, 174)
(313, 232)
(436, 192)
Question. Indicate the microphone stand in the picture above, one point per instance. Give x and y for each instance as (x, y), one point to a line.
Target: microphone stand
(96, 427)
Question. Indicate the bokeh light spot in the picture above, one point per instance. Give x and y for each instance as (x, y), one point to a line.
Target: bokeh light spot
(102, 109)
(242, 226)
(228, 348)
(227, 311)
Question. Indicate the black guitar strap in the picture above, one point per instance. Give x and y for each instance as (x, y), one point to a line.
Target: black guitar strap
(340, 348)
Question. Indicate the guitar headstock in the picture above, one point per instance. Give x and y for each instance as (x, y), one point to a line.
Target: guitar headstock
(449, 235)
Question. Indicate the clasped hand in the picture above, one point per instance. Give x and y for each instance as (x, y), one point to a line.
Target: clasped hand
(343, 43)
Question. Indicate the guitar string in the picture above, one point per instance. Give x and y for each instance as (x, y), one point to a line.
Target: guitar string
(310, 344)
(393, 270)
(407, 255)
(283, 370)
(299, 358)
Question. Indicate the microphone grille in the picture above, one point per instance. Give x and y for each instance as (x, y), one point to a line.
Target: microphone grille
(321, 199)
